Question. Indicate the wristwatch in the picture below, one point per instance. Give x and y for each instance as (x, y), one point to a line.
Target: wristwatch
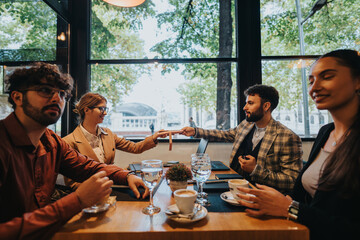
(293, 210)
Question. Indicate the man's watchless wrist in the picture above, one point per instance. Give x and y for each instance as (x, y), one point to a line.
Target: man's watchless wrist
(128, 175)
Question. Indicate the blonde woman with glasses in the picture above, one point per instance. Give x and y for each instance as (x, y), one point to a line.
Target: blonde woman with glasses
(97, 142)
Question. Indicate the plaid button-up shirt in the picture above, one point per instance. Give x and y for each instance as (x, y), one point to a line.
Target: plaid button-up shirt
(280, 156)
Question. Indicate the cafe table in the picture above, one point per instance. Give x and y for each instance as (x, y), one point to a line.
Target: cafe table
(126, 221)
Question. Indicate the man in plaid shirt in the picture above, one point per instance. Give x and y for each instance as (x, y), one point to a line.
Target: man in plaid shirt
(264, 151)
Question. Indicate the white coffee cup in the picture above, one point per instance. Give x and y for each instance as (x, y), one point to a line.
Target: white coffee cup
(185, 200)
(234, 184)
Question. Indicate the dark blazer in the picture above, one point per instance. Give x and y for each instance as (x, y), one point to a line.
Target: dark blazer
(327, 215)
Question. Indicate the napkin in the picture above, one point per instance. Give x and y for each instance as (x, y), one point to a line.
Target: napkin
(228, 176)
(218, 166)
(215, 187)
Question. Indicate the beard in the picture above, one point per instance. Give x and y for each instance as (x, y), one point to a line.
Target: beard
(39, 115)
(255, 116)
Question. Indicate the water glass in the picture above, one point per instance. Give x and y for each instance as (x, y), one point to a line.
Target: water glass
(201, 168)
(151, 173)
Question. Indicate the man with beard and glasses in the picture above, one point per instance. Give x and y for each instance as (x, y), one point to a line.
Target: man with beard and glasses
(264, 151)
(31, 156)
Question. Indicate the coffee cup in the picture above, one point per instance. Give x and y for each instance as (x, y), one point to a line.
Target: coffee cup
(234, 184)
(185, 200)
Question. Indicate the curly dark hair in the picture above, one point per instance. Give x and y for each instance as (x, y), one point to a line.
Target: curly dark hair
(266, 93)
(38, 74)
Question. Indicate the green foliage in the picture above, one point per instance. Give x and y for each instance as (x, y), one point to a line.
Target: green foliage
(29, 27)
(196, 29)
(114, 81)
(113, 36)
(290, 83)
(195, 25)
(113, 30)
(199, 90)
(28, 32)
(178, 172)
(335, 26)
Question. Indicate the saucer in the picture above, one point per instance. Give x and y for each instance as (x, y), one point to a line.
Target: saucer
(201, 214)
(97, 209)
(228, 197)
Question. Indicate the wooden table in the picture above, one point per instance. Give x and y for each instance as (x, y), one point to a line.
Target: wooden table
(126, 221)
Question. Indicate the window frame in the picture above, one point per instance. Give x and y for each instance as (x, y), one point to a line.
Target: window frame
(248, 55)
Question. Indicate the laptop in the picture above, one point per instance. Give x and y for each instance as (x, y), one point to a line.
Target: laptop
(202, 146)
(215, 165)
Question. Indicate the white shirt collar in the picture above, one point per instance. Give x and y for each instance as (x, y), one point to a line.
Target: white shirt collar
(99, 131)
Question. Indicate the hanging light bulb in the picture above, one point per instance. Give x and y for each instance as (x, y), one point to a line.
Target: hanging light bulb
(61, 37)
(125, 3)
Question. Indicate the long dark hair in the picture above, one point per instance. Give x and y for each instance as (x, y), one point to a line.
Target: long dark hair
(342, 171)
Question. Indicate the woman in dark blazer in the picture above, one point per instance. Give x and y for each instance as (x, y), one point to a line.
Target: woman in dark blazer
(326, 196)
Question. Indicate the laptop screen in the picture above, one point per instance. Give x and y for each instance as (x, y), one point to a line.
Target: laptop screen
(202, 146)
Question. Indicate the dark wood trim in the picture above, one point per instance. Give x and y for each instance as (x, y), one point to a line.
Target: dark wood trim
(59, 9)
(79, 52)
(290, 57)
(170, 60)
(248, 48)
(24, 63)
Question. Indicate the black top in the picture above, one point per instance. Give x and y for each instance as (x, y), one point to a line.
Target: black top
(246, 148)
(328, 215)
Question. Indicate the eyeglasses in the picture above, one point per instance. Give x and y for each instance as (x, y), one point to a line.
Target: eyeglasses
(48, 92)
(102, 109)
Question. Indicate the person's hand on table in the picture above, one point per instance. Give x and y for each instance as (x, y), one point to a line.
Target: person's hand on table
(266, 201)
(134, 182)
(188, 131)
(94, 190)
(247, 163)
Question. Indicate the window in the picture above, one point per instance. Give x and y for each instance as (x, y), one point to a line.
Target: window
(28, 32)
(321, 119)
(159, 63)
(334, 26)
(165, 100)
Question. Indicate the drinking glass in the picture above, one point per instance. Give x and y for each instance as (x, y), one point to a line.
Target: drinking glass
(151, 173)
(201, 168)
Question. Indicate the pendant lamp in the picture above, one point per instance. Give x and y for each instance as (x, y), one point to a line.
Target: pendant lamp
(125, 3)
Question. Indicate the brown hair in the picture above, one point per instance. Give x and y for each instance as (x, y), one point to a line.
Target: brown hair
(341, 172)
(87, 100)
(35, 75)
(266, 93)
